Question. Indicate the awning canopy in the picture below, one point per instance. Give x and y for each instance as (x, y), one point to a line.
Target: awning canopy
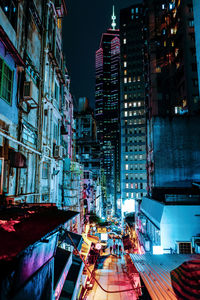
(62, 264)
(17, 159)
(4, 38)
(71, 285)
(76, 238)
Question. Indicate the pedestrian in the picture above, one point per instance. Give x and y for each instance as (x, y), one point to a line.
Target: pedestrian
(110, 249)
(116, 248)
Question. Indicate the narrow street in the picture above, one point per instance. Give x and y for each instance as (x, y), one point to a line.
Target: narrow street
(113, 277)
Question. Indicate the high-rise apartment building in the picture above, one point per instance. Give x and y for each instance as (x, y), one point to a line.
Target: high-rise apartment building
(107, 112)
(172, 95)
(196, 8)
(133, 115)
(164, 216)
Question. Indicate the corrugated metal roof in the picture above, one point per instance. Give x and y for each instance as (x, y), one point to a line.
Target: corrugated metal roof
(155, 272)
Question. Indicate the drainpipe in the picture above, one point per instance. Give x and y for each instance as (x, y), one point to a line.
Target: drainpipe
(40, 102)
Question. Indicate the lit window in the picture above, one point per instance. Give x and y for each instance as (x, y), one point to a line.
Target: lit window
(191, 23)
(136, 10)
(172, 44)
(125, 96)
(129, 79)
(163, 6)
(125, 105)
(59, 23)
(126, 185)
(138, 78)
(165, 43)
(139, 103)
(124, 41)
(126, 166)
(126, 157)
(134, 104)
(158, 70)
(125, 64)
(125, 79)
(131, 185)
(127, 195)
(131, 195)
(125, 114)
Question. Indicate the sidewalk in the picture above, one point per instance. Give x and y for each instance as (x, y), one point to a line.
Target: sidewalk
(112, 278)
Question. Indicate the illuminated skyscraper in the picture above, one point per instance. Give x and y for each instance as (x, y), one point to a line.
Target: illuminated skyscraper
(107, 112)
(133, 115)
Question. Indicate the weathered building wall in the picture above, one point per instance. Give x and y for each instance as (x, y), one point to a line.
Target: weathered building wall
(176, 152)
(196, 9)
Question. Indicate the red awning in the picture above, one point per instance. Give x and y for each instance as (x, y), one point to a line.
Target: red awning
(10, 47)
(17, 159)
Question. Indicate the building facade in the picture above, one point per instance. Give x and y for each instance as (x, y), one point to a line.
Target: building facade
(133, 111)
(165, 219)
(167, 222)
(36, 108)
(107, 113)
(88, 154)
(196, 9)
(172, 95)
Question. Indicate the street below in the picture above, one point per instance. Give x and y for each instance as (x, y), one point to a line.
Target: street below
(112, 275)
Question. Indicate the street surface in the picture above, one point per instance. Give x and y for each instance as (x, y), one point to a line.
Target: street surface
(112, 275)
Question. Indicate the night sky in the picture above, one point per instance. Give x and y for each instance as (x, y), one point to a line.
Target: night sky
(83, 26)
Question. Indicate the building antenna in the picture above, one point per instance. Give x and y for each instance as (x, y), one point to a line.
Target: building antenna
(113, 19)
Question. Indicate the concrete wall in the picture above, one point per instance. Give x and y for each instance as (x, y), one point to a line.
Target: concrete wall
(176, 151)
(196, 10)
(179, 223)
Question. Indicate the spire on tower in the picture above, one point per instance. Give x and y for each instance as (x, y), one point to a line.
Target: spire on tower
(113, 19)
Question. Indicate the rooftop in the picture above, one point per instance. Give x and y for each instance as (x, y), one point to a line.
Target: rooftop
(185, 195)
(155, 272)
(22, 227)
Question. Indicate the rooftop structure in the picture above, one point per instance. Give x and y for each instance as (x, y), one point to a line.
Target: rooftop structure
(155, 272)
(22, 227)
(32, 262)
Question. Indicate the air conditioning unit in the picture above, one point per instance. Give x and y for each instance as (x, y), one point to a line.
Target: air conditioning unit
(59, 151)
(46, 150)
(28, 89)
(184, 247)
(64, 150)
